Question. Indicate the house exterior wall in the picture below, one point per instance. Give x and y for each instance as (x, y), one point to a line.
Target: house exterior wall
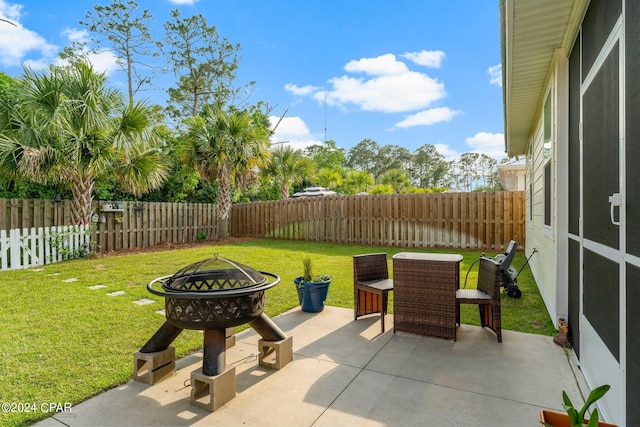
(549, 260)
(603, 314)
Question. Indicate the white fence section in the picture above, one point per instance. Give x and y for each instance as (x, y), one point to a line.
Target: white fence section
(33, 247)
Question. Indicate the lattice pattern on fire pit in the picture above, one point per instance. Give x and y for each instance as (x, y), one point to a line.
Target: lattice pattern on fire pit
(212, 275)
(208, 313)
(215, 293)
(228, 279)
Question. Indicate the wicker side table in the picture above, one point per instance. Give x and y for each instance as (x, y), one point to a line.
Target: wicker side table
(424, 300)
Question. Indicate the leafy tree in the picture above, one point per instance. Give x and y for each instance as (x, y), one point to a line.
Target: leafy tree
(429, 166)
(357, 181)
(396, 179)
(127, 33)
(264, 189)
(223, 145)
(393, 157)
(364, 156)
(327, 155)
(468, 170)
(8, 87)
(204, 64)
(329, 177)
(68, 128)
(287, 167)
(487, 166)
(183, 183)
(382, 189)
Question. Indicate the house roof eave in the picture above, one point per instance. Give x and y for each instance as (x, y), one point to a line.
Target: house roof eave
(530, 32)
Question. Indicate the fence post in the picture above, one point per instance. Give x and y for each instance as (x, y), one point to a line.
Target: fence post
(14, 242)
(4, 250)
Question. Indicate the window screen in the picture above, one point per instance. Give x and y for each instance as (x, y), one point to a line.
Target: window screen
(547, 146)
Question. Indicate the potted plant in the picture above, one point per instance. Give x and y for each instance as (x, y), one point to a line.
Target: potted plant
(573, 417)
(312, 288)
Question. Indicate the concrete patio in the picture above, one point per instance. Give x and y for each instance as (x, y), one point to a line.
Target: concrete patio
(345, 372)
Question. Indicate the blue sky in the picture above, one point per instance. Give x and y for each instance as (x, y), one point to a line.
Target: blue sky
(401, 72)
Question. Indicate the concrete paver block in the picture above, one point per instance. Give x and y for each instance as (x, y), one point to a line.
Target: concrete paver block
(230, 337)
(213, 392)
(275, 354)
(152, 368)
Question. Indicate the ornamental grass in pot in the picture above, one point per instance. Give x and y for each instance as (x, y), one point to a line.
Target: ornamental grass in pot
(312, 288)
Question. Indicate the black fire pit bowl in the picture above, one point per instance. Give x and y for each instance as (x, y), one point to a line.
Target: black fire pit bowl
(214, 293)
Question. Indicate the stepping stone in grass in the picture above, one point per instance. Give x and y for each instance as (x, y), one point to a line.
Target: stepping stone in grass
(116, 293)
(94, 287)
(73, 279)
(161, 312)
(144, 301)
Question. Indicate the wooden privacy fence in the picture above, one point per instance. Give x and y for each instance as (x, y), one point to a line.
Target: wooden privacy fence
(482, 220)
(119, 225)
(33, 247)
(138, 225)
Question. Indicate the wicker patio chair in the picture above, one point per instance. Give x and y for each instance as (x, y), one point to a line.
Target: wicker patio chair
(371, 285)
(487, 296)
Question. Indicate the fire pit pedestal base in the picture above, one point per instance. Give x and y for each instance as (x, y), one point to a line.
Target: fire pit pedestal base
(212, 392)
(154, 367)
(275, 354)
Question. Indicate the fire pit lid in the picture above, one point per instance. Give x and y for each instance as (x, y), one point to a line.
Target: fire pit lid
(214, 274)
(213, 278)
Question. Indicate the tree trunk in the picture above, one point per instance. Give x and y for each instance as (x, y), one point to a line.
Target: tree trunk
(284, 192)
(82, 190)
(224, 201)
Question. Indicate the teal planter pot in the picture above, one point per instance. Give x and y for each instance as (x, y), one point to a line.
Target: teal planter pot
(312, 295)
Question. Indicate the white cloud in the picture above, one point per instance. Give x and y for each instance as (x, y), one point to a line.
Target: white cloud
(19, 45)
(389, 87)
(428, 117)
(301, 90)
(427, 58)
(491, 144)
(495, 75)
(184, 2)
(294, 132)
(104, 61)
(388, 93)
(76, 35)
(379, 66)
(16, 42)
(10, 11)
(448, 152)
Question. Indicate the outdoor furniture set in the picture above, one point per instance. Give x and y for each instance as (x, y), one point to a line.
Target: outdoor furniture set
(426, 294)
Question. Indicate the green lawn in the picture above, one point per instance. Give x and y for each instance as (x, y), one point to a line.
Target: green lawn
(62, 342)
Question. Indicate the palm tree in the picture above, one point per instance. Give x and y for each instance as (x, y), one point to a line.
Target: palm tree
(223, 146)
(397, 179)
(359, 181)
(68, 128)
(330, 178)
(287, 167)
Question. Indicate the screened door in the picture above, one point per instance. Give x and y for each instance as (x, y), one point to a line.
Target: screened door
(597, 199)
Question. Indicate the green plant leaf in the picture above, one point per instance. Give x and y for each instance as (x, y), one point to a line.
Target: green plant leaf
(574, 418)
(594, 420)
(595, 394)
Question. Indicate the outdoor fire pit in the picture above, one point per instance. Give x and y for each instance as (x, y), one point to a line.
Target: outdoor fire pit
(214, 293)
(211, 295)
